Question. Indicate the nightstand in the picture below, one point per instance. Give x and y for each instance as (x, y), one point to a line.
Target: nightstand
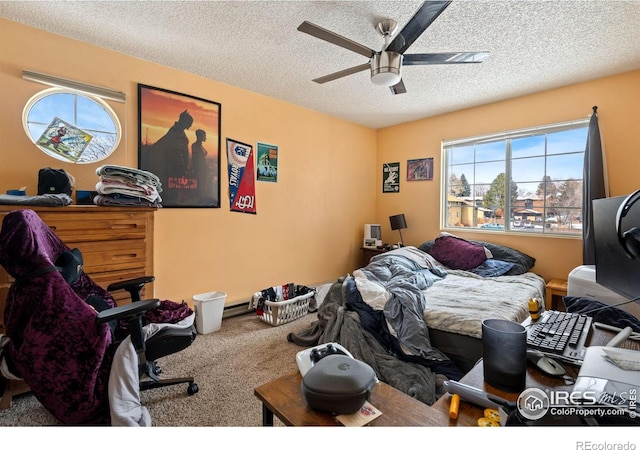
(370, 252)
(555, 287)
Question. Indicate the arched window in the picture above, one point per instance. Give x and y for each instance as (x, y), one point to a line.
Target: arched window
(71, 126)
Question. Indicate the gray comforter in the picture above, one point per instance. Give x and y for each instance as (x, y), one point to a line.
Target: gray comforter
(406, 280)
(340, 320)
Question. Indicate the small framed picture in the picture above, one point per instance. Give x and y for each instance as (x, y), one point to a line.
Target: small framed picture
(420, 169)
(391, 177)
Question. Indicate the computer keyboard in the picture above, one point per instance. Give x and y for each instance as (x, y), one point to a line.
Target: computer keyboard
(560, 333)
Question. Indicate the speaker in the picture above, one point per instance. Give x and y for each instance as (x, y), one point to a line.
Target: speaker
(629, 239)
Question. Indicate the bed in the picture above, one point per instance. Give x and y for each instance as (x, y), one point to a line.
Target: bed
(493, 289)
(414, 314)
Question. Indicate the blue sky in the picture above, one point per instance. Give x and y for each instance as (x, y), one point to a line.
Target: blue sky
(564, 152)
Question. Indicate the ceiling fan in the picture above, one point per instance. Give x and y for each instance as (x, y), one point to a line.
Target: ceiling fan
(385, 64)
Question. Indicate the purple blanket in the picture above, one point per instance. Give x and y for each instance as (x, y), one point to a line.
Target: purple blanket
(55, 344)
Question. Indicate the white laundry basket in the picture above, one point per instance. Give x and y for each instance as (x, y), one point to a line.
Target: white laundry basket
(209, 307)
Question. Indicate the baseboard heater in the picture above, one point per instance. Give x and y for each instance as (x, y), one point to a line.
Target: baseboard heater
(236, 310)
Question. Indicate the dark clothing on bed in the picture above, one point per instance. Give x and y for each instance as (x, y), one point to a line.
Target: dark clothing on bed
(375, 323)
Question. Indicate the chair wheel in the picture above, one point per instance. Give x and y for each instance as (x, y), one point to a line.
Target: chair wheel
(192, 389)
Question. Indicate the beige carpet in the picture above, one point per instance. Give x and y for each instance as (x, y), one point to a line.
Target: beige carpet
(227, 365)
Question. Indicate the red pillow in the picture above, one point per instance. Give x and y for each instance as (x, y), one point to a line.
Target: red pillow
(457, 253)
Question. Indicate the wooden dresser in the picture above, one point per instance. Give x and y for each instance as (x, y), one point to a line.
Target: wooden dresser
(116, 245)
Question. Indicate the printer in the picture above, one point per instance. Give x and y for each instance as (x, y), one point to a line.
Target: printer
(582, 283)
(610, 376)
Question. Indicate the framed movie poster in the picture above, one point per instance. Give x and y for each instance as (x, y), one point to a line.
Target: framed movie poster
(420, 169)
(179, 141)
(391, 177)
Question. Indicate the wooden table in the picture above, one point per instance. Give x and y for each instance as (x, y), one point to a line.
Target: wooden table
(469, 414)
(283, 398)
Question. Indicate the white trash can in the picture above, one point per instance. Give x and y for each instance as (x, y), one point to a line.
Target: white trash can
(209, 307)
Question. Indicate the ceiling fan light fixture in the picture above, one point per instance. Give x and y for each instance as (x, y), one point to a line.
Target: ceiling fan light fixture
(385, 68)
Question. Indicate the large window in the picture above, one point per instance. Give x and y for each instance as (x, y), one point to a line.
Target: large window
(525, 181)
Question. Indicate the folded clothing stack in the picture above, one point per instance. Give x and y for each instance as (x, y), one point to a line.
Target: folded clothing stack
(126, 186)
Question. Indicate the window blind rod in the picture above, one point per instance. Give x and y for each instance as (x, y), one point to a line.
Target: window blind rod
(515, 133)
(50, 80)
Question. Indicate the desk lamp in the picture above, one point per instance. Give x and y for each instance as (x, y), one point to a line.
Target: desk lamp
(398, 223)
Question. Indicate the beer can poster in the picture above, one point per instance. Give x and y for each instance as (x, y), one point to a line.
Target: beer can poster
(242, 189)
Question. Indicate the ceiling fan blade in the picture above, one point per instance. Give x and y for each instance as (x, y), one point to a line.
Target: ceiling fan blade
(398, 88)
(342, 73)
(419, 59)
(333, 38)
(428, 12)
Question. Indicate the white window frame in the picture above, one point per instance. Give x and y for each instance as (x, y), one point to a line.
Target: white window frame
(97, 150)
(508, 225)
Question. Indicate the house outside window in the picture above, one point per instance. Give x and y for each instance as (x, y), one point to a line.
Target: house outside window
(522, 181)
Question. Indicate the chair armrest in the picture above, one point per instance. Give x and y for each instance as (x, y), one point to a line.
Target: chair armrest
(133, 286)
(136, 282)
(128, 310)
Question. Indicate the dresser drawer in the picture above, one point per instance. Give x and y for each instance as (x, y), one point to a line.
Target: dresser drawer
(107, 256)
(91, 227)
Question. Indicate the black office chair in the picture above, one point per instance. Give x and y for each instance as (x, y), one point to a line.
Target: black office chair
(64, 330)
(166, 341)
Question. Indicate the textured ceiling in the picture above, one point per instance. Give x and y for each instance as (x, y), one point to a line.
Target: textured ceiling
(255, 45)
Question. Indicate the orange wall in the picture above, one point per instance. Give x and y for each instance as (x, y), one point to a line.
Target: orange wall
(618, 100)
(308, 225)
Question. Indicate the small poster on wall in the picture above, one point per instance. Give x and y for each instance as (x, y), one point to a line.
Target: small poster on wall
(267, 161)
(420, 169)
(242, 189)
(391, 177)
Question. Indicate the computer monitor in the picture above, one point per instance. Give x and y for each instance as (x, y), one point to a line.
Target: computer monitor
(615, 270)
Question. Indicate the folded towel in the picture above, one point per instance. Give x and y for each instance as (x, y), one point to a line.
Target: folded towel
(123, 200)
(134, 190)
(129, 173)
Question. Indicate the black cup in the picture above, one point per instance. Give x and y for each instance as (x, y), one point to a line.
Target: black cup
(504, 354)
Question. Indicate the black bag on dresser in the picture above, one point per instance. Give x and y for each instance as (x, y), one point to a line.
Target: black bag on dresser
(54, 181)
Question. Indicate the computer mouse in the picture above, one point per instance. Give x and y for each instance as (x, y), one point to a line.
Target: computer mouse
(546, 365)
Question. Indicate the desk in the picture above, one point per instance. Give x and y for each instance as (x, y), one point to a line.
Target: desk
(283, 398)
(469, 414)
